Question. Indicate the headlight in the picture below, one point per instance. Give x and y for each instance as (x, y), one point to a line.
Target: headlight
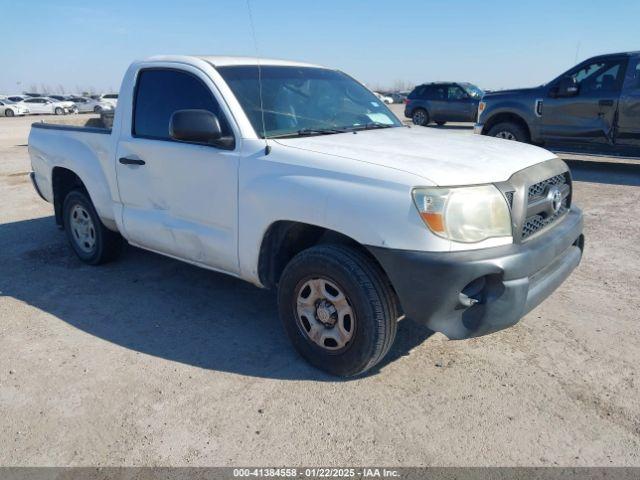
(464, 214)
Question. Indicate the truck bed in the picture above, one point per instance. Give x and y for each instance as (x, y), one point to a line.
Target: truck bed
(73, 128)
(85, 151)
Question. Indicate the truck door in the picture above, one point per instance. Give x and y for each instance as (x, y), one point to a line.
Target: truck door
(178, 198)
(586, 113)
(629, 109)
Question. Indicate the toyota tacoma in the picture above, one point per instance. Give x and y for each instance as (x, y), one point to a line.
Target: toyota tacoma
(297, 177)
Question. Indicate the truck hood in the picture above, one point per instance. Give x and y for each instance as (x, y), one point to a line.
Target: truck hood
(513, 92)
(438, 156)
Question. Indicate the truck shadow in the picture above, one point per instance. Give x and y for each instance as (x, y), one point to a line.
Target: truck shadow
(605, 172)
(159, 306)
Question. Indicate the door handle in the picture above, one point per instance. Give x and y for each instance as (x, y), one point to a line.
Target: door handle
(131, 161)
(605, 103)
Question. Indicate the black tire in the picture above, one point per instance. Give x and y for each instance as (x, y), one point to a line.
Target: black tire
(508, 131)
(8, 113)
(420, 117)
(107, 244)
(58, 111)
(369, 296)
(97, 109)
(440, 123)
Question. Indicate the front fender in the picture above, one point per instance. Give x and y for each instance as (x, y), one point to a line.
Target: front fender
(326, 191)
(525, 109)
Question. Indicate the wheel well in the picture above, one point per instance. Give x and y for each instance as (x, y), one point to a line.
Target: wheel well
(63, 181)
(285, 239)
(506, 117)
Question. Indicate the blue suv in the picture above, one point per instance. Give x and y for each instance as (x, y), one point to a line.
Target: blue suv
(443, 102)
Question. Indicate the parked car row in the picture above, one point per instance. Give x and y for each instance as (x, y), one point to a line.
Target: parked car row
(34, 104)
(12, 109)
(391, 97)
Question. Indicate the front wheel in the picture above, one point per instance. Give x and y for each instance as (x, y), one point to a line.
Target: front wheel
(338, 309)
(58, 111)
(90, 239)
(8, 113)
(97, 109)
(508, 131)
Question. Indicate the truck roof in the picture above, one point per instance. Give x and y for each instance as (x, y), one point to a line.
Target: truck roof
(619, 54)
(224, 61)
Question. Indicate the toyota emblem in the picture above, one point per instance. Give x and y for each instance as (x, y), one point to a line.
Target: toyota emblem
(555, 197)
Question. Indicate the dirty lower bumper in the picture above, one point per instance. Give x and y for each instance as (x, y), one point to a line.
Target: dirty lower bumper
(476, 292)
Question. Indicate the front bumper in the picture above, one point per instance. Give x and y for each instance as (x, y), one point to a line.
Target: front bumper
(476, 292)
(477, 128)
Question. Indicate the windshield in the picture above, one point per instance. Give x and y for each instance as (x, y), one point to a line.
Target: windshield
(472, 90)
(305, 101)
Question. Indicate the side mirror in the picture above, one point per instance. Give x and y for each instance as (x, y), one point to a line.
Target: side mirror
(566, 87)
(200, 126)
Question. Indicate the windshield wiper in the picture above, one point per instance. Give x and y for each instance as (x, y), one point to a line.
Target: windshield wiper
(311, 131)
(371, 126)
(321, 131)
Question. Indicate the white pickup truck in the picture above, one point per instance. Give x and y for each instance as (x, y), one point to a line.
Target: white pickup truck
(296, 176)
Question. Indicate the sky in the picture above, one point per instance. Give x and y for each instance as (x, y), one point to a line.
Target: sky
(76, 45)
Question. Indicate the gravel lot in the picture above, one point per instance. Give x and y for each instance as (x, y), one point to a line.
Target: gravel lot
(148, 361)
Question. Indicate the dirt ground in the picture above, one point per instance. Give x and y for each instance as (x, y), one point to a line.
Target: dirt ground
(148, 361)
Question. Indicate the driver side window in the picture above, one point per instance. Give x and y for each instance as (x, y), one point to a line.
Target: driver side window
(599, 76)
(633, 77)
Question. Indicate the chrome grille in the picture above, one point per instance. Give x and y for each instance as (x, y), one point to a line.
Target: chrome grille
(538, 210)
(538, 222)
(540, 188)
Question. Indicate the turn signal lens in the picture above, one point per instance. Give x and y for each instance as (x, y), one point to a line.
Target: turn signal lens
(481, 107)
(464, 214)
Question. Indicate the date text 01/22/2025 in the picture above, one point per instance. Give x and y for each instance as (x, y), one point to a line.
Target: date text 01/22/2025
(316, 473)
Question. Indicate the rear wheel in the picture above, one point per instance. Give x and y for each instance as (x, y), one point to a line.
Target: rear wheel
(90, 239)
(338, 309)
(58, 111)
(97, 109)
(420, 117)
(508, 131)
(9, 113)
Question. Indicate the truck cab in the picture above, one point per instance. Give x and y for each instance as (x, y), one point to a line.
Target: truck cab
(593, 106)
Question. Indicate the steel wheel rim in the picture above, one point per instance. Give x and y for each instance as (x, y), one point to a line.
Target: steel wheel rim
(324, 314)
(506, 134)
(419, 118)
(82, 228)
